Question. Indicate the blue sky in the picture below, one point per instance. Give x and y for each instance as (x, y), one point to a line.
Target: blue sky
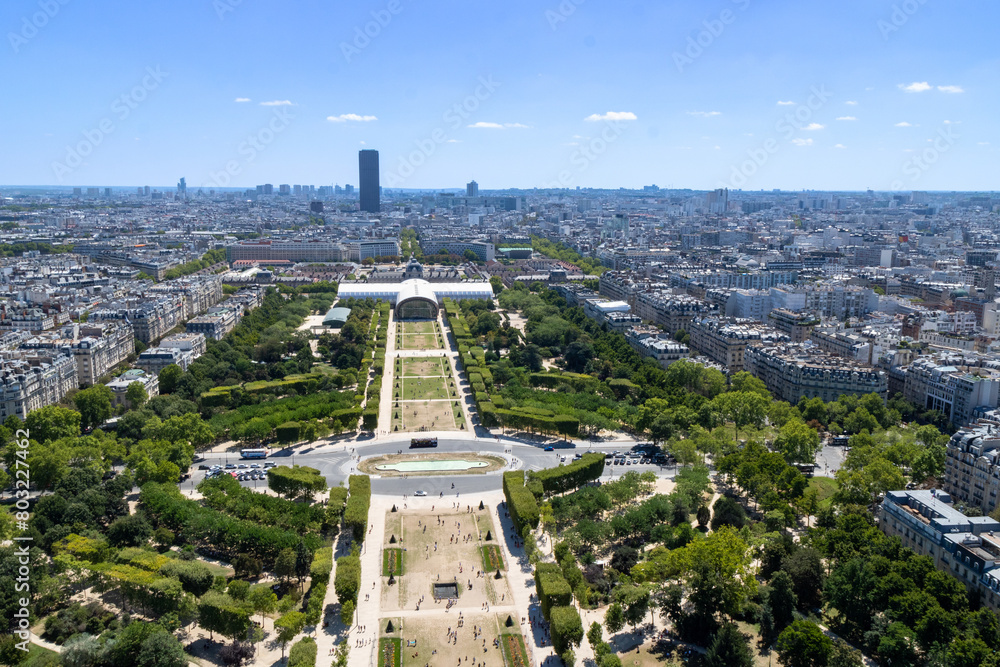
(876, 94)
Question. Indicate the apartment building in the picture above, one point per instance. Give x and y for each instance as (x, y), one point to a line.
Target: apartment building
(100, 347)
(793, 371)
(834, 299)
(187, 342)
(723, 340)
(155, 359)
(797, 325)
(313, 250)
(842, 344)
(957, 391)
(972, 465)
(485, 252)
(654, 344)
(33, 379)
(671, 312)
(966, 547)
(215, 324)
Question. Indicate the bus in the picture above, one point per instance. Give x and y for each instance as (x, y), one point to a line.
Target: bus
(254, 453)
(423, 442)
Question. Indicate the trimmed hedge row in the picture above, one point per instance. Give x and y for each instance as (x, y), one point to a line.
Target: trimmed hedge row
(322, 566)
(521, 503)
(566, 627)
(572, 476)
(358, 503)
(552, 588)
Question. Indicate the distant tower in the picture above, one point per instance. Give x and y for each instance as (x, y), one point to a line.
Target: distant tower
(182, 187)
(472, 189)
(368, 178)
(988, 281)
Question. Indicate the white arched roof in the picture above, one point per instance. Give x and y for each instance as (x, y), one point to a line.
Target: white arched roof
(414, 288)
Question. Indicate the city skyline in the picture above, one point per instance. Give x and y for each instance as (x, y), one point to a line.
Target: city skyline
(738, 95)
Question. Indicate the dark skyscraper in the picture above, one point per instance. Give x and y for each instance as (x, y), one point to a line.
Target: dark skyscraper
(368, 168)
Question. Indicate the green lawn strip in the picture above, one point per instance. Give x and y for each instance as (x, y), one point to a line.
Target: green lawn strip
(825, 488)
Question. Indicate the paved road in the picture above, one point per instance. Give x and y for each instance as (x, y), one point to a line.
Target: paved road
(337, 461)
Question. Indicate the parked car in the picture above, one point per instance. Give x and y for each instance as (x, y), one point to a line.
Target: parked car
(420, 493)
(230, 466)
(549, 448)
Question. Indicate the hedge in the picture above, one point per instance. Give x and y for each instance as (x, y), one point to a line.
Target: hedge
(566, 628)
(369, 418)
(322, 566)
(552, 587)
(572, 476)
(288, 432)
(576, 380)
(521, 503)
(358, 502)
(347, 580)
(335, 507)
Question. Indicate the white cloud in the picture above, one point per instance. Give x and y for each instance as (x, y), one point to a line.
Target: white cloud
(984, 143)
(802, 142)
(846, 118)
(853, 103)
(498, 126)
(951, 89)
(611, 115)
(453, 141)
(785, 103)
(277, 103)
(916, 87)
(905, 124)
(839, 146)
(812, 127)
(242, 99)
(351, 117)
(704, 114)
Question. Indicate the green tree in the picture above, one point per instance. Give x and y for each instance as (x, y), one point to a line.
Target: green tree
(161, 649)
(284, 565)
(169, 378)
(94, 405)
(743, 408)
(782, 600)
(497, 284)
(51, 423)
(729, 648)
(803, 644)
(289, 625)
(262, 600)
(797, 442)
(136, 395)
(614, 618)
(843, 655)
(744, 381)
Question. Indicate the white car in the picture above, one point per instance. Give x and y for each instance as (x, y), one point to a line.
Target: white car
(420, 493)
